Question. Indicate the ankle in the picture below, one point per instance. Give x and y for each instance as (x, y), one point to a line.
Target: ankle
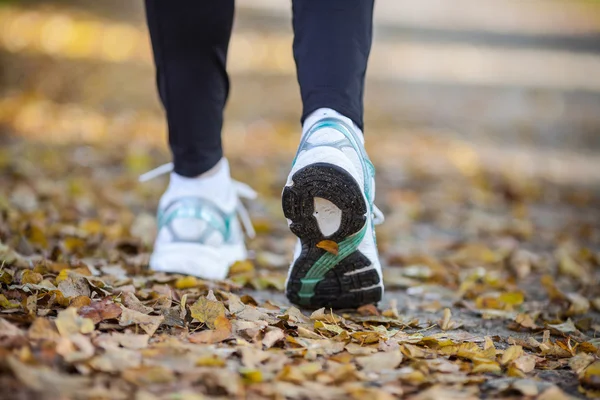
(215, 184)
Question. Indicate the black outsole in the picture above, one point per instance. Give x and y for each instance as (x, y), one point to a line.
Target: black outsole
(335, 290)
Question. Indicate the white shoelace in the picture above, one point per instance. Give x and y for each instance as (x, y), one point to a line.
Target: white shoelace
(242, 191)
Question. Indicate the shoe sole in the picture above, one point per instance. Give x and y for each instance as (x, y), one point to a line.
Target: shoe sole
(319, 278)
(203, 261)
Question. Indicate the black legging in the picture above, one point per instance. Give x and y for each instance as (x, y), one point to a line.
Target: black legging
(332, 41)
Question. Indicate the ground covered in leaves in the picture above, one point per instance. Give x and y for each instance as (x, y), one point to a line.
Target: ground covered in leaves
(491, 277)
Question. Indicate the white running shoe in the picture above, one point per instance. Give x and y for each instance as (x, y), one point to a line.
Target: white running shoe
(198, 228)
(329, 197)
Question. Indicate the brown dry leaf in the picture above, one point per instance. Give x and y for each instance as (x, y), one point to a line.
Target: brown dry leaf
(580, 362)
(73, 286)
(579, 304)
(69, 323)
(49, 382)
(554, 393)
(127, 340)
(221, 332)
(148, 375)
(525, 363)
(526, 321)
(272, 336)
(379, 362)
(148, 323)
(9, 330)
(323, 314)
(101, 310)
(329, 246)
(80, 301)
(31, 277)
(446, 324)
(569, 267)
(207, 311)
(565, 327)
(368, 309)
(133, 303)
(42, 329)
(116, 360)
(75, 348)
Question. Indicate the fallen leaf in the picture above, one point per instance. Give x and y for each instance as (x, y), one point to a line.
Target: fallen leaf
(132, 302)
(446, 324)
(580, 362)
(74, 286)
(525, 363)
(272, 336)
(148, 323)
(221, 332)
(116, 360)
(511, 354)
(75, 348)
(69, 323)
(379, 362)
(565, 327)
(45, 380)
(101, 310)
(9, 330)
(579, 304)
(207, 311)
(8, 304)
(80, 301)
(329, 246)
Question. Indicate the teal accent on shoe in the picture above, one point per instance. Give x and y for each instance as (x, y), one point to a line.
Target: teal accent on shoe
(326, 262)
(196, 208)
(348, 132)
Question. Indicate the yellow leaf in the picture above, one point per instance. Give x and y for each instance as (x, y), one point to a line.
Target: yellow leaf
(322, 326)
(492, 367)
(186, 282)
(64, 274)
(251, 375)
(512, 298)
(6, 303)
(329, 246)
(511, 354)
(207, 311)
(211, 360)
(241, 268)
(73, 244)
(592, 373)
(69, 323)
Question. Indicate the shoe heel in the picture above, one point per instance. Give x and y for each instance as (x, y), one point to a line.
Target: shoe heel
(319, 278)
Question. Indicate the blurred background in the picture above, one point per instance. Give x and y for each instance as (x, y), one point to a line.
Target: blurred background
(509, 77)
(476, 110)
